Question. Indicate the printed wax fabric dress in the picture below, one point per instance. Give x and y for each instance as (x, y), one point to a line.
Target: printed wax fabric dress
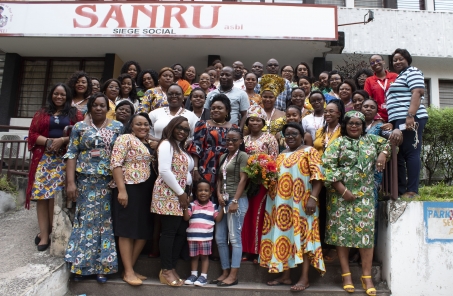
(288, 232)
(253, 220)
(91, 248)
(209, 144)
(352, 162)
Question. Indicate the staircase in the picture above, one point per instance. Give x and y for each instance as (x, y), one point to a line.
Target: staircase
(252, 282)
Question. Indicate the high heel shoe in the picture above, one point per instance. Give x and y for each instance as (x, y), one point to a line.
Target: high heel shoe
(163, 280)
(348, 288)
(370, 290)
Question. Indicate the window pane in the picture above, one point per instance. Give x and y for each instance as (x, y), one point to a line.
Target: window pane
(446, 93)
(32, 88)
(94, 68)
(369, 3)
(340, 3)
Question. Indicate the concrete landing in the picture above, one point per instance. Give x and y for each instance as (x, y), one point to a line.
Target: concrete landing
(24, 270)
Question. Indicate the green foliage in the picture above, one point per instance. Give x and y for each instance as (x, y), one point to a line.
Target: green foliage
(437, 149)
(6, 186)
(352, 64)
(438, 192)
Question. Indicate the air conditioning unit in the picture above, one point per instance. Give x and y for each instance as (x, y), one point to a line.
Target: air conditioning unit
(14, 150)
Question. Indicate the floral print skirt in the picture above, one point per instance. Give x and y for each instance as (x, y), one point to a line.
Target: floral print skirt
(49, 178)
(91, 248)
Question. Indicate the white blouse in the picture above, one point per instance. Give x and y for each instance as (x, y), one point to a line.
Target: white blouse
(161, 117)
(312, 123)
(165, 156)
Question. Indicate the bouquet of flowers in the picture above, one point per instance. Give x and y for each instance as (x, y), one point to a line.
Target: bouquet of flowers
(260, 169)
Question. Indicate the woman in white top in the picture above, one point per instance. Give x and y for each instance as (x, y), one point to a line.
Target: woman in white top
(169, 196)
(162, 116)
(312, 122)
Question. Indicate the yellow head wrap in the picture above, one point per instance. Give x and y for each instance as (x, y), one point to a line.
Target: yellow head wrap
(273, 83)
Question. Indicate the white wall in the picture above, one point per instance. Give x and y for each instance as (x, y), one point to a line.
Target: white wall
(410, 265)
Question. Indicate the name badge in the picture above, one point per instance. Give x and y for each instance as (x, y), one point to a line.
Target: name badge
(95, 153)
(384, 106)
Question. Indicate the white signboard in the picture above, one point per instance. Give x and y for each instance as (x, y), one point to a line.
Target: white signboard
(438, 218)
(168, 19)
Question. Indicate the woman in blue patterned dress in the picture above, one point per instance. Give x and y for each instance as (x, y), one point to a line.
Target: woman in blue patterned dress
(91, 248)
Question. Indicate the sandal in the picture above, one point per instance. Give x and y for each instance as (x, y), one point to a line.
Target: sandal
(370, 290)
(277, 283)
(299, 288)
(101, 279)
(348, 287)
(331, 258)
(163, 280)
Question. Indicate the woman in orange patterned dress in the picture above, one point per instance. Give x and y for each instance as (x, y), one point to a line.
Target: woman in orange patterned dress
(290, 230)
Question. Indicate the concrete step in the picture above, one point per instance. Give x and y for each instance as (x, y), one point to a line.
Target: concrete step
(115, 286)
(253, 273)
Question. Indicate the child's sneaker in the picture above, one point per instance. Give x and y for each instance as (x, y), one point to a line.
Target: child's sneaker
(191, 280)
(201, 281)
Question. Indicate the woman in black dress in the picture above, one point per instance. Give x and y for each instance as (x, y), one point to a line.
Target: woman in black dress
(131, 167)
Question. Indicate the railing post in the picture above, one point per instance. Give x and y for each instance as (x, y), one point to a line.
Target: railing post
(394, 174)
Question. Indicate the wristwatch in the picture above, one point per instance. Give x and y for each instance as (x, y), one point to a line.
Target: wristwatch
(195, 169)
(410, 115)
(234, 201)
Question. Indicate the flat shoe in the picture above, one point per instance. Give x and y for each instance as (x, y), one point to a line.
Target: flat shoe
(42, 248)
(136, 282)
(214, 282)
(222, 284)
(276, 283)
(101, 279)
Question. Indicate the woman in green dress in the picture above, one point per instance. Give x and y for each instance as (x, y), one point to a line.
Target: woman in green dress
(349, 163)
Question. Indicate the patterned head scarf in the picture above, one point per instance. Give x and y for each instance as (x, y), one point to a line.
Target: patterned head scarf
(355, 114)
(273, 83)
(256, 111)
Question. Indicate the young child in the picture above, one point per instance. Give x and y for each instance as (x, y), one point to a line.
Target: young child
(202, 215)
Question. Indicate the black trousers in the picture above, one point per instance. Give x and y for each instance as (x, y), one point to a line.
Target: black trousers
(172, 239)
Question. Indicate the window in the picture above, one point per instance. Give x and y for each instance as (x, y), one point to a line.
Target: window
(340, 3)
(443, 5)
(369, 3)
(38, 76)
(2, 65)
(411, 4)
(446, 93)
(427, 96)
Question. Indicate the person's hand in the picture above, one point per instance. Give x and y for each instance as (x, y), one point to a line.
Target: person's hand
(71, 191)
(196, 176)
(310, 207)
(410, 123)
(380, 162)
(153, 145)
(317, 84)
(396, 137)
(387, 126)
(221, 201)
(56, 144)
(122, 198)
(233, 207)
(278, 136)
(183, 201)
(348, 196)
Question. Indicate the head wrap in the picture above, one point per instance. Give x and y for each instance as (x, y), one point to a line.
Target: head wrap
(355, 114)
(273, 83)
(256, 111)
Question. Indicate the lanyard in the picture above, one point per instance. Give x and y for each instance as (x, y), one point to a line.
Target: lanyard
(224, 168)
(314, 122)
(98, 134)
(326, 140)
(384, 87)
(268, 122)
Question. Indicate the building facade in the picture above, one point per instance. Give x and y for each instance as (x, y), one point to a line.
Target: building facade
(40, 52)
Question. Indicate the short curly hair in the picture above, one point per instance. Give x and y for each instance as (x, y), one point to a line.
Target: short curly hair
(154, 76)
(406, 55)
(126, 65)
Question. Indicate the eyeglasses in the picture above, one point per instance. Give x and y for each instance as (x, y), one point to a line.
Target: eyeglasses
(231, 140)
(182, 129)
(375, 62)
(292, 135)
(174, 95)
(316, 101)
(355, 124)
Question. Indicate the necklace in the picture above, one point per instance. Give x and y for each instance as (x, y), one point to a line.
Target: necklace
(98, 130)
(218, 123)
(224, 173)
(317, 126)
(255, 138)
(268, 121)
(297, 148)
(167, 110)
(327, 138)
(77, 104)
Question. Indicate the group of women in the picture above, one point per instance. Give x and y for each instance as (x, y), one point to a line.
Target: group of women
(138, 144)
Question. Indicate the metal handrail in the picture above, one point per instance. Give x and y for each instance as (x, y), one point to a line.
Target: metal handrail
(18, 164)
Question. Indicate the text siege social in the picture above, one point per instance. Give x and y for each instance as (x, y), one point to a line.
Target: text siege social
(144, 18)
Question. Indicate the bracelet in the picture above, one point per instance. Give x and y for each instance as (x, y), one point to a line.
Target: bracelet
(314, 197)
(346, 189)
(195, 168)
(234, 201)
